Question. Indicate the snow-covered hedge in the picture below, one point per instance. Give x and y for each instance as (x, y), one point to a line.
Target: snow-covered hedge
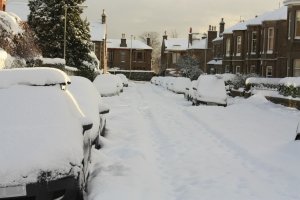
(290, 86)
(262, 83)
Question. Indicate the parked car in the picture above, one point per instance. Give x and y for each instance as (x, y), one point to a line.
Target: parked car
(91, 104)
(108, 85)
(180, 85)
(45, 139)
(210, 90)
(124, 79)
(190, 92)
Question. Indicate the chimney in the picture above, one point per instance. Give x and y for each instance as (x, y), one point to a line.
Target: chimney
(222, 27)
(191, 37)
(103, 17)
(123, 41)
(2, 5)
(211, 35)
(148, 40)
(165, 36)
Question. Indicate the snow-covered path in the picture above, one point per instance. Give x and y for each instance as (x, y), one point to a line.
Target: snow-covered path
(160, 147)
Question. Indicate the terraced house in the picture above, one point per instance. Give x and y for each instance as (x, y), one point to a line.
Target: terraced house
(293, 36)
(257, 45)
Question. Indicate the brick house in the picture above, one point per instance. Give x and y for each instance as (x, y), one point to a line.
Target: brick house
(293, 37)
(129, 54)
(257, 45)
(2, 5)
(198, 47)
(99, 39)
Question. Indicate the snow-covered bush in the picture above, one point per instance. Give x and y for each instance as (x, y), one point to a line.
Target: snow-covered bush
(240, 80)
(189, 67)
(262, 83)
(290, 86)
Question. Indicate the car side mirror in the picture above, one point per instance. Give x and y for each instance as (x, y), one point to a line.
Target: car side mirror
(87, 127)
(102, 112)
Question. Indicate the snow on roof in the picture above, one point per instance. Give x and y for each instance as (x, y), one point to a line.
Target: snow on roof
(19, 8)
(218, 39)
(198, 44)
(98, 31)
(136, 44)
(289, 2)
(176, 44)
(32, 76)
(278, 14)
(10, 23)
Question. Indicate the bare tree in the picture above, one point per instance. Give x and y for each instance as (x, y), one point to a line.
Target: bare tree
(155, 43)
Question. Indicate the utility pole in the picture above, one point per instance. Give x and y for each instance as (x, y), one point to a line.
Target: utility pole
(130, 62)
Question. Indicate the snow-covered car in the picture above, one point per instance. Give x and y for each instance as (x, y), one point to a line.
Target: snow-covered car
(91, 104)
(108, 85)
(170, 83)
(45, 142)
(210, 90)
(180, 85)
(124, 79)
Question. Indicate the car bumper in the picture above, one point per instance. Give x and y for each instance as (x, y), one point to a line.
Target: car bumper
(65, 188)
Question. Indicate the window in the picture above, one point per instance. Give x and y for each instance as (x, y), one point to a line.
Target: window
(238, 45)
(175, 57)
(123, 56)
(296, 68)
(227, 47)
(269, 71)
(254, 42)
(253, 69)
(238, 69)
(110, 56)
(227, 69)
(270, 39)
(290, 25)
(138, 56)
(297, 25)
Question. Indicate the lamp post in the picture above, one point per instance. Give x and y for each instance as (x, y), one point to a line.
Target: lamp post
(65, 26)
(130, 61)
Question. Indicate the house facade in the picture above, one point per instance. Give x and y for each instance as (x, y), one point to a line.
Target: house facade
(293, 37)
(99, 39)
(257, 45)
(132, 54)
(2, 5)
(198, 47)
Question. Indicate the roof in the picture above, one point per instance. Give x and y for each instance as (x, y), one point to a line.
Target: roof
(136, 44)
(199, 44)
(97, 31)
(278, 14)
(176, 44)
(215, 62)
(289, 2)
(219, 38)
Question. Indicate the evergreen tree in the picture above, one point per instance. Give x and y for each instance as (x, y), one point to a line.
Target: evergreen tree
(47, 19)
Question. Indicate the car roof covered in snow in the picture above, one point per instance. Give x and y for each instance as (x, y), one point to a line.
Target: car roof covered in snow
(38, 76)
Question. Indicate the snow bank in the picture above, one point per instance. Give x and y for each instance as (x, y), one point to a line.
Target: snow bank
(10, 23)
(124, 79)
(32, 76)
(53, 61)
(211, 89)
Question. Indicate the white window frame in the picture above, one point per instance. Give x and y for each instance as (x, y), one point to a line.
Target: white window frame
(297, 25)
(228, 47)
(227, 69)
(123, 56)
(270, 46)
(290, 25)
(175, 57)
(252, 69)
(238, 45)
(296, 67)
(269, 69)
(253, 51)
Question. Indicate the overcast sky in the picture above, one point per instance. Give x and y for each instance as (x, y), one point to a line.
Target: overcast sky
(133, 17)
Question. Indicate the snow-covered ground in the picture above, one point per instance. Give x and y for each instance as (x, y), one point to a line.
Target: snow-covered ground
(159, 147)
